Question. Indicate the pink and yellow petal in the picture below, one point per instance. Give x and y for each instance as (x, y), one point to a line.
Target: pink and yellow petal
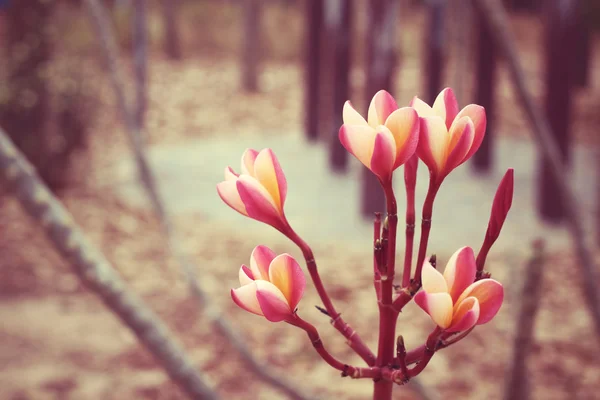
(230, 174)
(404, 126)
(359, 141)
(260, 259)
(382, 105)
(269, 173)
(384, 154)
(437, 305)
(351, 117)
(460, 143)
(248, 159)
(228, 192)
(466, 314)
(433, 143)
(433, 281)
(287, 276)
(446, 106)
(273, 303)
(423, 109)
(478, 116)
(245, 297)
(460, 271)
(489, 294)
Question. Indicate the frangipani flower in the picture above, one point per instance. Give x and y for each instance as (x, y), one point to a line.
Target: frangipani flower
(448, 137)
(452, 300)
(272, 286)
(259, 191)
(386, 140)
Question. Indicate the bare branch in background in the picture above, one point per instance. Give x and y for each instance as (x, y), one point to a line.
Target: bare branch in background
(96, 272)
(172, 43)
(140, 52)
(146, 176)
(517, 382)
(495, 15)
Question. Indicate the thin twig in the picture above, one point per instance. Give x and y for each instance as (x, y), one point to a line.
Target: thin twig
(146, 176)
(517, 383)
(495, 16)
(96, 272)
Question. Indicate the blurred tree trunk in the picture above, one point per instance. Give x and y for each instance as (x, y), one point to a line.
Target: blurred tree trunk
(560, 16)
(140, 48)
(381, 56)
(172, 41)
(312, 31)
(434, 58)
(338, 156)
(486, 82)
(583, 46)
(24, 108)
(251, 45)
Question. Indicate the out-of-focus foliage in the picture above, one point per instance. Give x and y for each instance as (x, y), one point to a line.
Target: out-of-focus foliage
(45, 102)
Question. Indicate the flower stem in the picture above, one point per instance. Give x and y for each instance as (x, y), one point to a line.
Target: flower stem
(425, 227)
(410, 181)
(352, 337)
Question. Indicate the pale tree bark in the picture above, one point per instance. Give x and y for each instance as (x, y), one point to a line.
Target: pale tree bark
(149, 183)
(96, 272)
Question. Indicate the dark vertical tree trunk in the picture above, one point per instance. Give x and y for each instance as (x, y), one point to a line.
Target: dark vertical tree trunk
(27, 52)
(172, 42)
(381, 56)
(524, 5)
(486, 81)
(559, 73)
(338, 156)
(140, 48)
(434, 58)
(313, 26)
(583, 47)
(251, 45)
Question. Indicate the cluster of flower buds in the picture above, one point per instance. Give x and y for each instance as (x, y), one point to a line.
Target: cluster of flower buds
(442, 137)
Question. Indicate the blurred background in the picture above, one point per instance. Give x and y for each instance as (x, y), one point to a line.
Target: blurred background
(202, 80)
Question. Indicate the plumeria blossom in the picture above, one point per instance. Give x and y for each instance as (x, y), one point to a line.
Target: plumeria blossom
(448, 137)
(259, 191)
(452, 300)
(272, 286)
(386, 139)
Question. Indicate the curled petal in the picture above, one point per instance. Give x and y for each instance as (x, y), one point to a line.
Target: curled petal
(359, 141)
(422, 108)
(460, 271)
(260, 259)
(437, 305)
(286, 274)
(269, 173)
(433, 143)
(466, 314)
(490, 295)
(258, 201)
(461, 140)
(404, 126)
(384, 154)
(351, 117)
(229, 194)
(248, 159)
(230, 174)
(433, 281)
(446, 106)
(273, 303)
(382, 105)
(245, 297)
(477, 115)
(246, 276)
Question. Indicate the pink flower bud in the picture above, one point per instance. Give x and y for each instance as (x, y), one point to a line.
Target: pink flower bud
(259, 191)
(384, 142)
(271, 287)
(448, 137)
(501, 205)
(452, 300)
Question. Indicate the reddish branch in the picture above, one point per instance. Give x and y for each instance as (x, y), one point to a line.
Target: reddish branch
(353, 339)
